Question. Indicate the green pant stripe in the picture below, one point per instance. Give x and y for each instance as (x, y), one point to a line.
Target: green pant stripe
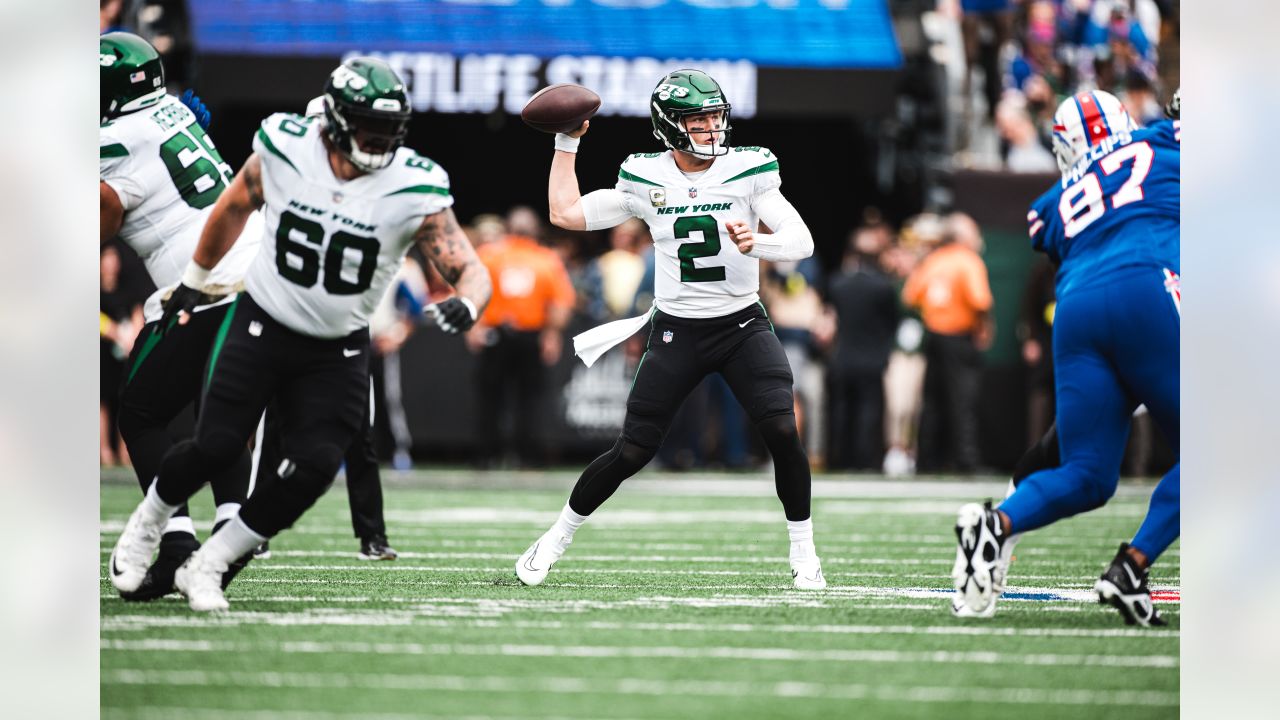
(766, 317)
(220, 338)
(647, 343)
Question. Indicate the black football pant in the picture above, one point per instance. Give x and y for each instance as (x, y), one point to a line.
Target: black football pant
(364, 478)
(744, 350)
(165, 375)
(949, 417)
(857, 418)
(510, 374)
(321, 389)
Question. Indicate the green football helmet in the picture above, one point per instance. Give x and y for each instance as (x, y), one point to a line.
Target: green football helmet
(366, 112)
(131, 75)
(679, 95)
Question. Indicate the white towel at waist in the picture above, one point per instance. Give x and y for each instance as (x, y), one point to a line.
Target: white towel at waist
(595, 342)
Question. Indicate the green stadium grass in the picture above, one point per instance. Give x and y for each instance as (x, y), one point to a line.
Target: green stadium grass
(674, 601)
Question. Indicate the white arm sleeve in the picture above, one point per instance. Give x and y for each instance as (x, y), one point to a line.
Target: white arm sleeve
(791, 239)
(605, 208)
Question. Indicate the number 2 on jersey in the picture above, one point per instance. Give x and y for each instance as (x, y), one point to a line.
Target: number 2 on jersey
(690, 251)
(298, 258)
(1082, 203)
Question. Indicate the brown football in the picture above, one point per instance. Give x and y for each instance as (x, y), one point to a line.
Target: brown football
(560, 108)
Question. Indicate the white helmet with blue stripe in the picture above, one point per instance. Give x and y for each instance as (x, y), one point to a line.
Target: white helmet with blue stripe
(1085, 120)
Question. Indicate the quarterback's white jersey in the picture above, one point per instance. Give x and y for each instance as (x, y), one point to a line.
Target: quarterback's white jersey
(331, 247)
(168, 174)
(700, 272)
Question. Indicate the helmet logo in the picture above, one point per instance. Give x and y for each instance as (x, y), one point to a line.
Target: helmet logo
(344, 77)
(712, 101)
(666, 91)
(106, 59)
(387, 104)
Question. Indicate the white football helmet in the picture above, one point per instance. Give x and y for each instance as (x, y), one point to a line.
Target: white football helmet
(1083, 121)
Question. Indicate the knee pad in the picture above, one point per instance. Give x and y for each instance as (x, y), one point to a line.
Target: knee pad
(1097, 485)
(318, 465)
(779, 430)
(633, 455)
(643, 427)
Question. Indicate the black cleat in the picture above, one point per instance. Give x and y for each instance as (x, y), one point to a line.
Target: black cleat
(376, 548)
(1124, 587)
(263, 551)
(175, 548)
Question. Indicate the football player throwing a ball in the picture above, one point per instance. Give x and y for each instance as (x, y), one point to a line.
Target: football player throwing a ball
(704, 202)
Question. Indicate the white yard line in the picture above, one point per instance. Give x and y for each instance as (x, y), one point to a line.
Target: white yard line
(420, 682)
(461, 616)
(671, 652)
(393, 568)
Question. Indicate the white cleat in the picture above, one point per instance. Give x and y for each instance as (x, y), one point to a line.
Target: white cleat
(132, 554)
(807, 575)
(982, 561)
(200, 580)
(806, 568)
(536, 562)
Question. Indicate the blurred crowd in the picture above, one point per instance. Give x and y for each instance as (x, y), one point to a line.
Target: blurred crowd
(886, 350)
(1013, 61)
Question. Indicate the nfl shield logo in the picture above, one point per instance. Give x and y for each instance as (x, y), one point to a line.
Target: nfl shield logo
(667, 335)
(337, 196)
(693, 192)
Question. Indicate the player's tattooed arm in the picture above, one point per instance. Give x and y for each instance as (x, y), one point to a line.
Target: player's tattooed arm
(230, 213)
(444, 243)
(110, 213)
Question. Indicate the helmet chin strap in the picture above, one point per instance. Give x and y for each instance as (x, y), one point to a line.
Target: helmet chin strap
(369, 162)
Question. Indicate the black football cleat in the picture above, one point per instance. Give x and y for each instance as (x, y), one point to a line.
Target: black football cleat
(1124, 587)
(175, 548)
(376, 548)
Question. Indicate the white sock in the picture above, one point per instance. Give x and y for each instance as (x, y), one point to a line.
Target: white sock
(155, 510)
(225, 511)
(568, 522)
(232, 541)
(801, 532)
(180, 524)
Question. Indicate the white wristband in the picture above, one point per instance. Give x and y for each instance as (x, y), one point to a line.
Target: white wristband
(195, 276)
(564, 143)
(471, 308)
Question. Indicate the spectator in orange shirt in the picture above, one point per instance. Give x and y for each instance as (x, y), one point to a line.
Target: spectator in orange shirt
(518, 337)
(951, 291)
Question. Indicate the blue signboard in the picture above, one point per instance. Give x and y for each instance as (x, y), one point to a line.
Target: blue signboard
(769, 33)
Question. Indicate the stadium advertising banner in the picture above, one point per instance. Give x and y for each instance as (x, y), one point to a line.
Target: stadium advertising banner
(480, 56)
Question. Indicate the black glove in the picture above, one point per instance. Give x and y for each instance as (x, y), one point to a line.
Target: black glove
(1174, 108)
(193, 102)
(453, 315)
(182, 299)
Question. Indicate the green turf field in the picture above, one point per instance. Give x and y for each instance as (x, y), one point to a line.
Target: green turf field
(674, 601)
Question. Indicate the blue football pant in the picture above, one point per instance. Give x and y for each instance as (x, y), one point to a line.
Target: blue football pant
(1115, 345)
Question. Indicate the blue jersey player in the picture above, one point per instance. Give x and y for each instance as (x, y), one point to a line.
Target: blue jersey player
(1112, 226)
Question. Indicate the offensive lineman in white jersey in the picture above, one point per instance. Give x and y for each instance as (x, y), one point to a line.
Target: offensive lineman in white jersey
(702, 201)
(342, 200)
(160, 175)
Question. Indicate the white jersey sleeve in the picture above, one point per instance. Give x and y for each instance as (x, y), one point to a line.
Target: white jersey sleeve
(330, 246)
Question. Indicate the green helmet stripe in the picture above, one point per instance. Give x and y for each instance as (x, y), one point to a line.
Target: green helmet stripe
(767, 167)
(636, 178)
(266, 141)
(428, 189)
(114, 150)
